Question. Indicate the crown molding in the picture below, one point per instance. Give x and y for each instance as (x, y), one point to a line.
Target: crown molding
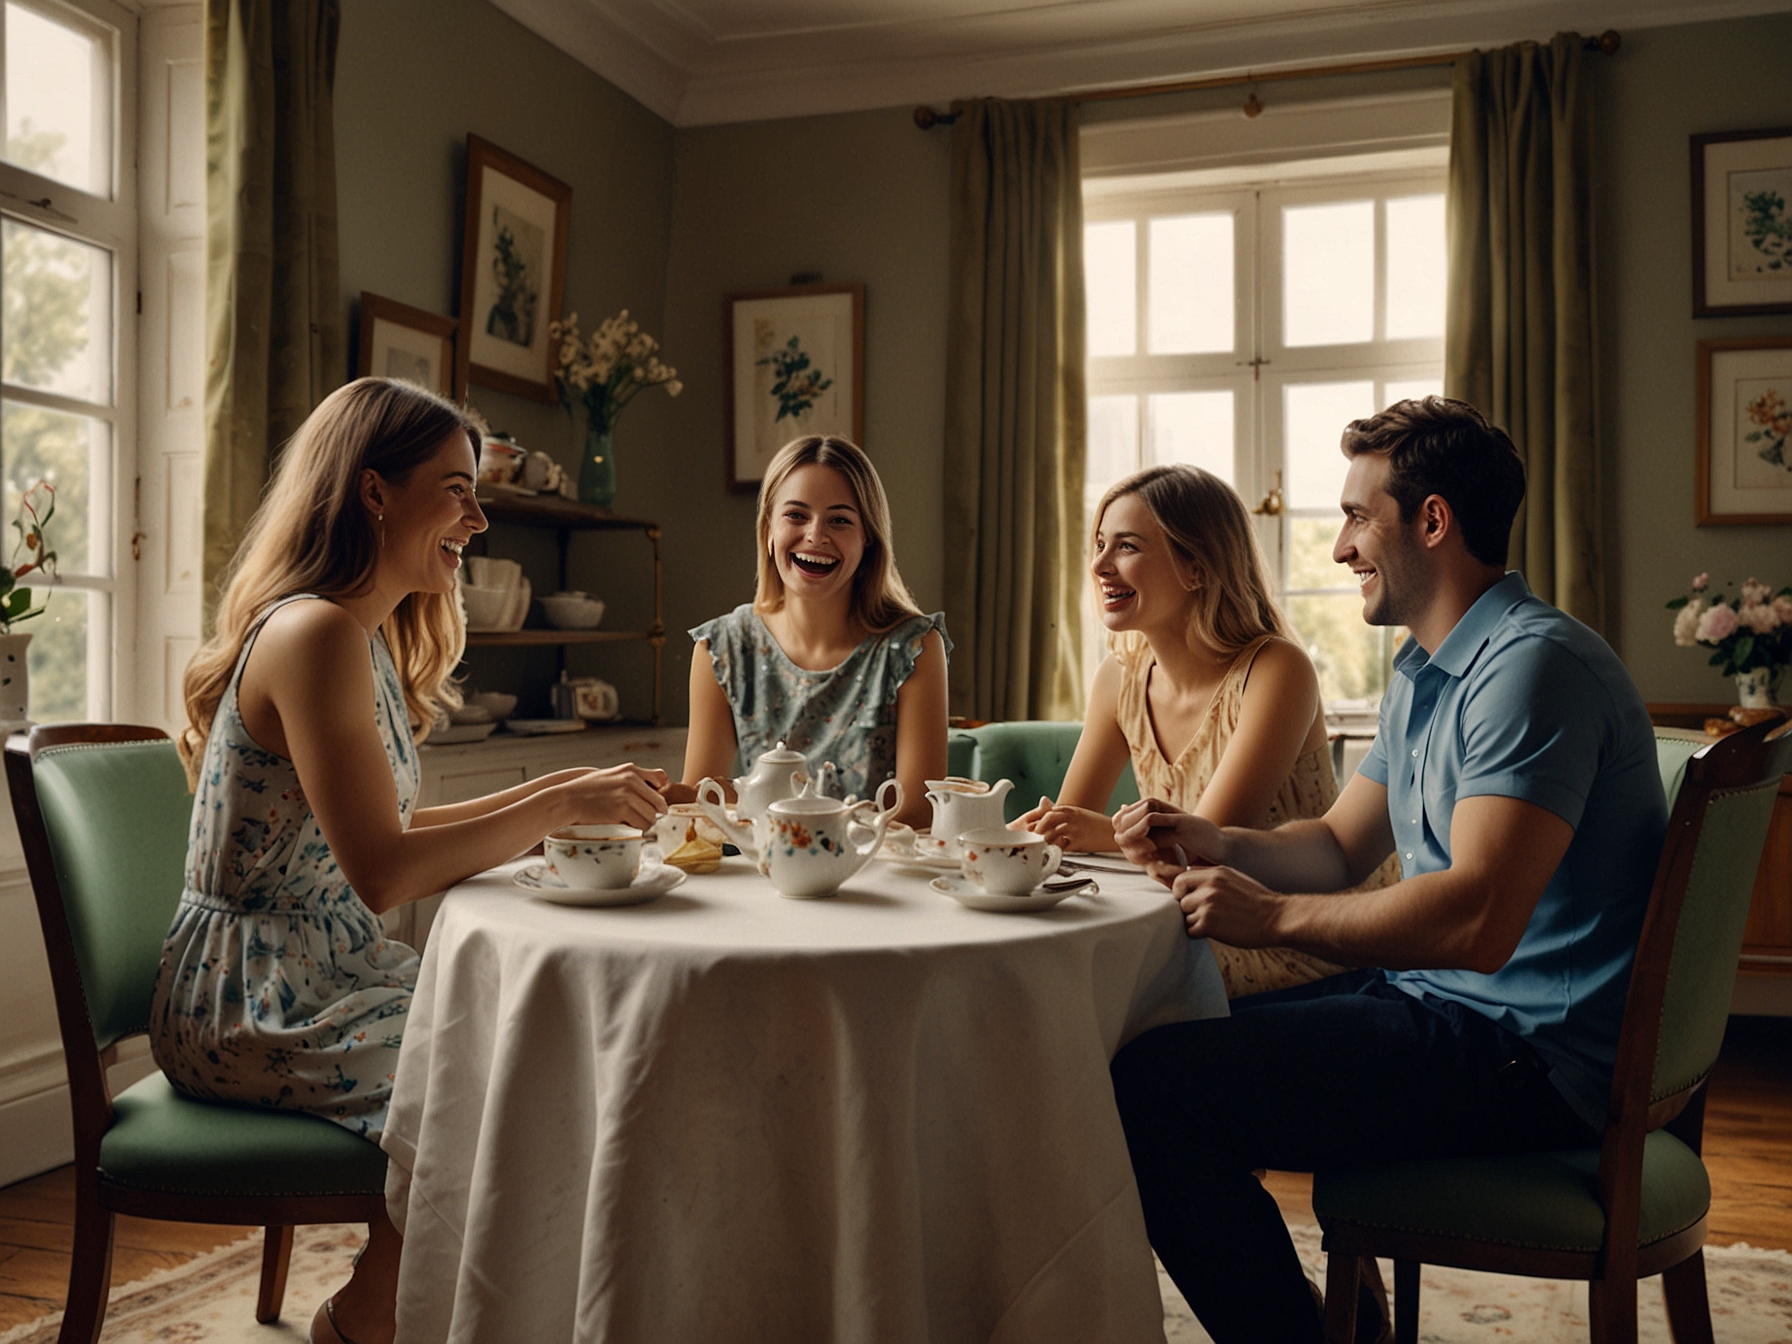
(693, 73)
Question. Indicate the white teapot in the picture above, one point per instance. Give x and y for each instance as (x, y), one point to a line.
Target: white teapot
(779, 773)
(811, 845)
(961, 805)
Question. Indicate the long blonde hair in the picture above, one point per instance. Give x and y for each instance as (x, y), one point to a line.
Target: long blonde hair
(1205, 523)
(880, 599)
(312, 535)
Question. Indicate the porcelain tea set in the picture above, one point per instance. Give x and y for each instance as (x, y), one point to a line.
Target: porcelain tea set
(807, 842)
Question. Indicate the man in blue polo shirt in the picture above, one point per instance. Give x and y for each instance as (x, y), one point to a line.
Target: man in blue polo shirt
(1514, 773)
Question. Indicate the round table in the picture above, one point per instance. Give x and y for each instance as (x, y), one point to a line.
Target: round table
(728, 1116)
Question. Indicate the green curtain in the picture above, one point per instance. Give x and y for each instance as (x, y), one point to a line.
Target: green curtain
(1016, 415)
(1520, 337)
(273, 320)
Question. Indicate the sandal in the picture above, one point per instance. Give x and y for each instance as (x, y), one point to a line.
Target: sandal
(323, 1325)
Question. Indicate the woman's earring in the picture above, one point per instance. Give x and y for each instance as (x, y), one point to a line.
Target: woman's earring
(380, 518)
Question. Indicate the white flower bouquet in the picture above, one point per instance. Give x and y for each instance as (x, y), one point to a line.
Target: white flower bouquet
(609, 368)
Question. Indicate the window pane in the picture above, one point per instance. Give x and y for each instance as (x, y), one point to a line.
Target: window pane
(1412, 389)
(1310, 564)
(58, 315)
(59, 656)
(1113, 442)
(1328, 273)
(1193, 427)
(58, 100)
(1110, 276)
(1314, 416)
(1190, 301)
(1416, 267)
(61, 449)
(1353, 659)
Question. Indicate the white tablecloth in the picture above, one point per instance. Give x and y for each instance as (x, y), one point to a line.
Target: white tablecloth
(725, 1116)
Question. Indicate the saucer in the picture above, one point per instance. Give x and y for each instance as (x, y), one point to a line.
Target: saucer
(967, 893)
(924, 854)
(654, 879)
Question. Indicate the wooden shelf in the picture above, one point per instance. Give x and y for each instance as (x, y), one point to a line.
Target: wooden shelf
(555, 511)
(489, 638)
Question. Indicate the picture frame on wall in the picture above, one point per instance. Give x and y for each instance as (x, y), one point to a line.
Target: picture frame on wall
(1742, 223)
(796, 366)
(399, 341)
(1744, 430)
(513, 272)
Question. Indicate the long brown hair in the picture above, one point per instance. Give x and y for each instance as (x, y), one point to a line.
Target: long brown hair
(880, 599)
(312, 535)
(1206, 525)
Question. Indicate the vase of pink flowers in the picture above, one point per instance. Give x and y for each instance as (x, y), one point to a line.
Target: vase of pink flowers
(1751, 634)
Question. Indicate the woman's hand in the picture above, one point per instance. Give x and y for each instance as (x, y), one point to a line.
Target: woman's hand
(1072, 829)
(1164, 841)
(626, 795)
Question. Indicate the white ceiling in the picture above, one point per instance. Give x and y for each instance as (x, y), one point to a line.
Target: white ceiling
(699, 62)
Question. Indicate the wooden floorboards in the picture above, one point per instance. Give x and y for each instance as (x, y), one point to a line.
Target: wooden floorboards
(1748, 1150)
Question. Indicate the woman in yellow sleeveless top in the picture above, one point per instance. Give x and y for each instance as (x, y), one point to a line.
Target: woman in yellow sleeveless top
(1205, 690)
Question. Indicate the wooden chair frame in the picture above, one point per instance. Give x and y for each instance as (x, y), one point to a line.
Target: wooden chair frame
(97, 1201)
(1748, 759)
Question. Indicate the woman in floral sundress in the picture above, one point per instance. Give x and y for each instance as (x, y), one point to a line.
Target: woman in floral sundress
(337, 633)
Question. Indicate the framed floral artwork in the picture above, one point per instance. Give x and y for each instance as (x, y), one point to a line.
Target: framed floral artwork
(1743, 431)
(1742, 223)
(796, 366)
(399, 341)
(513, 272)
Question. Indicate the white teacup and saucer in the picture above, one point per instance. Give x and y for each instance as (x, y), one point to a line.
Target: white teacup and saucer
(1005, 870)
(598, 866)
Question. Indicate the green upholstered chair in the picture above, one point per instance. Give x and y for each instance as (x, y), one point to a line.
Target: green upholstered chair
(1637, 1204)
(103, 813)
(1034, 754)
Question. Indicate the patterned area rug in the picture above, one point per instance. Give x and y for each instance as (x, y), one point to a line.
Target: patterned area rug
(1751, 1301)
(211, 1300)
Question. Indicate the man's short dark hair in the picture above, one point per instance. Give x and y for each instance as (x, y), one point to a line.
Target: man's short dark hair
(1441, 446)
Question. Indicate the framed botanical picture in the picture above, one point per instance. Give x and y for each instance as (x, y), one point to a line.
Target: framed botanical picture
(1742, 223)
(796, 366)
(399, 341)
(513, 271)
(1744, 430)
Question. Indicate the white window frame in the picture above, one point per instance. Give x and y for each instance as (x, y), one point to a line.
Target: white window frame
(1260, 364)
(109, 223)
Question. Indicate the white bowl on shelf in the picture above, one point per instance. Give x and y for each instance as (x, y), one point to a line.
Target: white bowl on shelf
(499, 704)
(487, 608)
(572, 611)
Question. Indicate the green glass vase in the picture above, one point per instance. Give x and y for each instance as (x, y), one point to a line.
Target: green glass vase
(597, 469)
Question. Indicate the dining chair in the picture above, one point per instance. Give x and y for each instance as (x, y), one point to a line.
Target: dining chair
(103, 812)
(1035, 754)
(1637, 1204)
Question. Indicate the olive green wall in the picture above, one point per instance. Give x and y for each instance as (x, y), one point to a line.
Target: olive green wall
(413, 78)
(1663, 86)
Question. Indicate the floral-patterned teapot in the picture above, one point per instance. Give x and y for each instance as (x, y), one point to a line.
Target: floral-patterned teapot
(811, 845)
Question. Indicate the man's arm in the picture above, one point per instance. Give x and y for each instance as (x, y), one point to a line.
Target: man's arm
(1469, 916)
(1326, 853)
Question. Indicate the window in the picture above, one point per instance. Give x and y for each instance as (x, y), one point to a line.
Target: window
(1239, 325)
(68, 241)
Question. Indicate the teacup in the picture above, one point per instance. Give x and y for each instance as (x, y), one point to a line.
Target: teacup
(684, 822)
(1007, 863)
(600, 858)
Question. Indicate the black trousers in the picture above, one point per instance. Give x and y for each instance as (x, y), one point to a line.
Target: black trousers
(1345, 1070)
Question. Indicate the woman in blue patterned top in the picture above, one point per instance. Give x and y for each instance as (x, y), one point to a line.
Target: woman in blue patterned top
(337, 634)
(832, 658)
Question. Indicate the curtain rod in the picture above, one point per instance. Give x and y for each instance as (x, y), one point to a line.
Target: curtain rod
(1607, 42)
